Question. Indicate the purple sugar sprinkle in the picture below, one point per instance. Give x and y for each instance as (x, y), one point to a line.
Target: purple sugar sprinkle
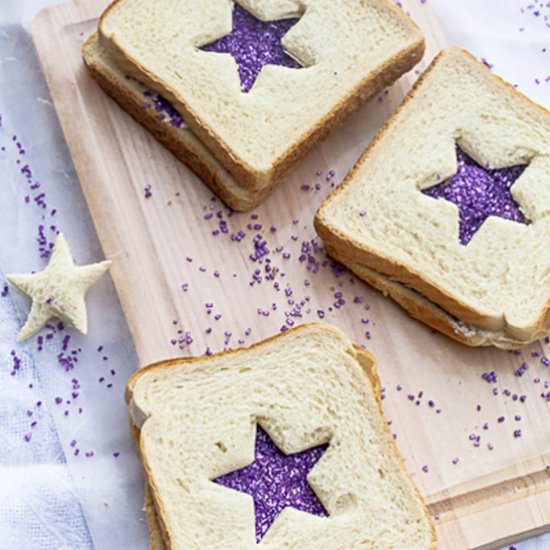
(164, 109)
(275, 481)
(147, 191)
(16, 363)
(521, 370)
(517, 433)
(253, 44)
(478, 193)
(490, 377)
(425, 468)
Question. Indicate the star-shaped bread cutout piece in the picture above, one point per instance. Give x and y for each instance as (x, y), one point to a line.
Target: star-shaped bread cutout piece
(58, 291)
(478, 193)
(254, 43)
(275, 480)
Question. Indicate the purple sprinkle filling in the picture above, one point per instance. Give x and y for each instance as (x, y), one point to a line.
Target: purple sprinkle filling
(478, 193)
(275, 481)
(167, 111)
(253, 44)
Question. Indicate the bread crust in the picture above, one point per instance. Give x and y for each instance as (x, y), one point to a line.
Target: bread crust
(156, 541)
(368, 366)
(419, 308)
(250, 178)
(174, 139)
(155, 535)
(360, 254)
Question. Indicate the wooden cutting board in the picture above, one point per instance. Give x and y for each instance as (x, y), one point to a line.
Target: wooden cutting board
(169, 264)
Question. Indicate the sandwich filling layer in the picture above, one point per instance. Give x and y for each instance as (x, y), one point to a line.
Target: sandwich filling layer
(423, 309)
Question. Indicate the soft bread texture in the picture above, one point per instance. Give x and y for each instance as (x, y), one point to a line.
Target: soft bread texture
(306, 387)
(499, 284)
(350, 52)
(180, 141)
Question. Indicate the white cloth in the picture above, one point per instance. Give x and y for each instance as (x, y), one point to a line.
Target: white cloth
(50, 498)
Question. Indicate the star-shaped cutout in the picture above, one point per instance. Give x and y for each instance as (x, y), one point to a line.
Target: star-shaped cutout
(58, 291)
(254, 43)
(275, 481)
(478, 193)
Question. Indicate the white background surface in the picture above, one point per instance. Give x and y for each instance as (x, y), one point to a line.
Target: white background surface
(52, 499)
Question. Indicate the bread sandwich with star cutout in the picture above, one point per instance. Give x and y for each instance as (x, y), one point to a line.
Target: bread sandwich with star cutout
(446, 212)
(241, 91)
(290, 450)
(279, 445)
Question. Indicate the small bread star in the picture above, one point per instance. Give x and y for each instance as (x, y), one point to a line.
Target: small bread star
(58, 291)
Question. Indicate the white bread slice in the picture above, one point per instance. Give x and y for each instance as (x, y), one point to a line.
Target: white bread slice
(350, 50)
(499, 284)
(197, 420)
(129, 94)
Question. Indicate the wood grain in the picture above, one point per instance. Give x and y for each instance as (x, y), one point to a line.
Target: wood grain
(488, 499)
